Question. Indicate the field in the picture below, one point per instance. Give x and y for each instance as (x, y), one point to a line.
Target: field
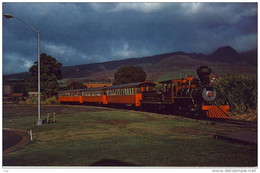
(84, 136)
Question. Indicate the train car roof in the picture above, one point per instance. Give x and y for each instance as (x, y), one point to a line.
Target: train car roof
(87, 89)
(111, 87)
(130, 85)
(172, 80)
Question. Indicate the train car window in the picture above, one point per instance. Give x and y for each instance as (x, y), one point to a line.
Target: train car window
(164, 88)
(174, 89)
(169, 88)
(138, 90)
(144, 88)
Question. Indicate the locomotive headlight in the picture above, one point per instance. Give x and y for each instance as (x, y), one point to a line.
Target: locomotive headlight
(213, 80)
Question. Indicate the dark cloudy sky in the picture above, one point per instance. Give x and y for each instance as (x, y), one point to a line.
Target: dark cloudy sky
(81, 33)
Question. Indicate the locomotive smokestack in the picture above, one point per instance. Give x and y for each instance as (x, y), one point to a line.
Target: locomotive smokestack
(203, 73)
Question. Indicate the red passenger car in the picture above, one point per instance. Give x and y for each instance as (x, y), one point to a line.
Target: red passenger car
(90, 95)
(70, 96)
(94, 95)
(128, 93)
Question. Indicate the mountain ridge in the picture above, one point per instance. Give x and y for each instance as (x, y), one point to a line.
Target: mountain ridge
(173, 61)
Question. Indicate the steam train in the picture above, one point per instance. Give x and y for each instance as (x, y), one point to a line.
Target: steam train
(194, 96)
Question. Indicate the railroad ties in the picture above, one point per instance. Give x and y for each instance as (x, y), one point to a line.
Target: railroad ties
(213, 111)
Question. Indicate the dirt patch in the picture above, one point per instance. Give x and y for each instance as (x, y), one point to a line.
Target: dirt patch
(111, 162)
(14, 139)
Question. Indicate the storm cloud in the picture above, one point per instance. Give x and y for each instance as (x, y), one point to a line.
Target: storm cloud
(81, 33)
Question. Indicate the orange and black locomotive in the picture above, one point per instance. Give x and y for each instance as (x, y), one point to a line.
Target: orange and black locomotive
(191, 94)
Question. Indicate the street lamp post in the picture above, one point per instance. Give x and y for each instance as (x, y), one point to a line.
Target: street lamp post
(8, 16)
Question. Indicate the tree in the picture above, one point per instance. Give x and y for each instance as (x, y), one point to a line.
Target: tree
(129, 74)
(50, 74)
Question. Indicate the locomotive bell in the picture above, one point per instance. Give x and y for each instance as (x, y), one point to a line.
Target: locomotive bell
(203, 73)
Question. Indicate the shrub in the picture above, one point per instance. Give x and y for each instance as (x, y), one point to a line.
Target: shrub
(52, 100)
(239, 91)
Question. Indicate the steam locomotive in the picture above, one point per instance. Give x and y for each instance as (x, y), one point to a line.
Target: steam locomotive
(191, 95)
(194, 96)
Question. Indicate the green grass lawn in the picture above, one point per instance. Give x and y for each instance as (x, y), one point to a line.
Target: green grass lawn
(82, 138)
